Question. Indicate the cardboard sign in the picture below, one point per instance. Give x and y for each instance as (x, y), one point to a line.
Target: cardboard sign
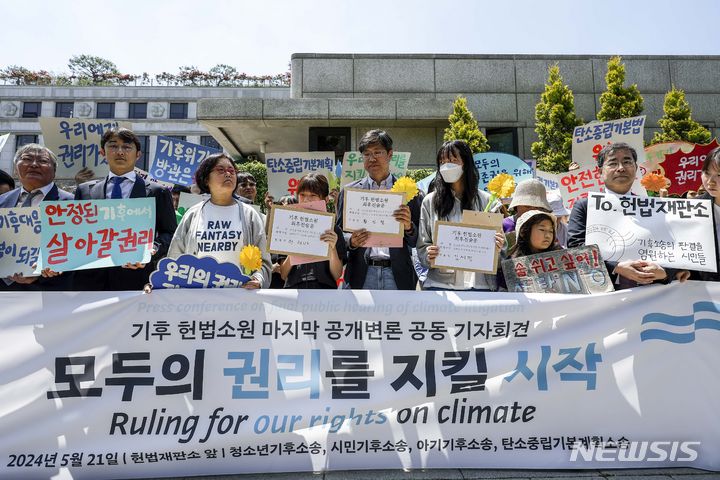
(353, 167)
(176, 161)
(295, 231)
(76, 143)
(676, 233)
(577, 270)
(19, 240)
(372, 210)
(188, 271)
(84, 234)
(284, 170)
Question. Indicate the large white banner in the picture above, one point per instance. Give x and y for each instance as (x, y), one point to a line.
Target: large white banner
(117, 385)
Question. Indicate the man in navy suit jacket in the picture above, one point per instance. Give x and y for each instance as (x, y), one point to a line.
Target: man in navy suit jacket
(121, 148)
(36, 166)
(376, 268)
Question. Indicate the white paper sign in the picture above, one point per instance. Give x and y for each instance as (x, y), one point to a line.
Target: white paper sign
(187, 200)
(677, 233)
(465, 247)
(3, 140)
(589, 139)
(296, 231)
(19, 240)
(372, 210)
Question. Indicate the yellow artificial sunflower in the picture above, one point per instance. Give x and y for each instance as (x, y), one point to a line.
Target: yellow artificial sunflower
(250, 259)
(407, 186)
(501, 186)
(653, 182)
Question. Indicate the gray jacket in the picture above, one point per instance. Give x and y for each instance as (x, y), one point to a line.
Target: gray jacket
(437, 277)
(253, 229)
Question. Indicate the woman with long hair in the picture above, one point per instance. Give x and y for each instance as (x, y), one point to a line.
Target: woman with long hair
(455, 190)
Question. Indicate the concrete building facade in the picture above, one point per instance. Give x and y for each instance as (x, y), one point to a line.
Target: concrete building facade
(335, 98)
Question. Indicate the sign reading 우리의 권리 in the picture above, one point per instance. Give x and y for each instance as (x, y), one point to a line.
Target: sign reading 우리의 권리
(84, 234)
(76, 143)
(297, 232)
(673, 232)
(465, 247)
(372, 210)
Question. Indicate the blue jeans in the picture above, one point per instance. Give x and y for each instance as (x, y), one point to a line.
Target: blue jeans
(379, 278)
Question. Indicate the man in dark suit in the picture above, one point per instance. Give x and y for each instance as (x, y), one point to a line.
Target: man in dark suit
(618, 167)
(35, 166)
(121, 148)
(380, 268)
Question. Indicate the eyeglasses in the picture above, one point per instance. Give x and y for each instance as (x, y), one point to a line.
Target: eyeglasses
(626, 164)
(125, 148)
(247, 185)
(224, 170)
(377, 154)
(42, 162)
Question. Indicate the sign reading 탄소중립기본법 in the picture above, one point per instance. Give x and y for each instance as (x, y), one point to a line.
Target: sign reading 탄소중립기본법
(125, 385)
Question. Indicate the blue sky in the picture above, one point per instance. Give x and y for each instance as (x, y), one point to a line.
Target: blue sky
(259, 36)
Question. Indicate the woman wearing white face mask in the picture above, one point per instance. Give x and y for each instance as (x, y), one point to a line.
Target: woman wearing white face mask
(456, 189)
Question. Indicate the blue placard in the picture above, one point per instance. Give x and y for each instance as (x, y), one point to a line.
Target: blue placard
(491, 164)
(188, 271)
(80, 234)
(175, 161)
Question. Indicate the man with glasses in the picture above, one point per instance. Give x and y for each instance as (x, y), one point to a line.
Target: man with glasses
(35, 166)
(618, 167)
(380, 268)
(121, 149)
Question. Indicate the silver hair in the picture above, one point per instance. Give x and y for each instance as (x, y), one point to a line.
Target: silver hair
(34, 147)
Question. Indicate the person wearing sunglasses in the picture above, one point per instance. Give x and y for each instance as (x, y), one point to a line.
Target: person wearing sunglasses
(222, 225)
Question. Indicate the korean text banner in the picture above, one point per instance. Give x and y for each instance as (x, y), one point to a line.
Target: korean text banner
(82, 234)
(284, 170)
(76, 143)
(491, 164)
(19, 240)
(589, 139)
(209, 382)
(176, 161)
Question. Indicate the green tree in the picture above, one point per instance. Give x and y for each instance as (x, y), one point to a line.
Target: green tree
(223, 75)
(93, 70)
(555, 121)
(617, 101)
(463, 126)
(677, 123)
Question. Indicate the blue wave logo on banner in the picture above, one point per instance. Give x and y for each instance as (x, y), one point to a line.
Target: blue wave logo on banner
(705, 316)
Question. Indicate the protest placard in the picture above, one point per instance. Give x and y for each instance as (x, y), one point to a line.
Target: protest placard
(175, 161)
(76, 143)
(465, 247)
(372, 210)
(3, 140)
(19, 240)
(284, 170)
(353, 169)
(297, 231)
(655, 155)
(684, 170)
(188, 271)
(491, 164)
(676, 233)
(84, 234)
(589, 139)
(576, 270)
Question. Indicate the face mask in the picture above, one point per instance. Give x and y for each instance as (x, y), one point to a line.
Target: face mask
(451, 172)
